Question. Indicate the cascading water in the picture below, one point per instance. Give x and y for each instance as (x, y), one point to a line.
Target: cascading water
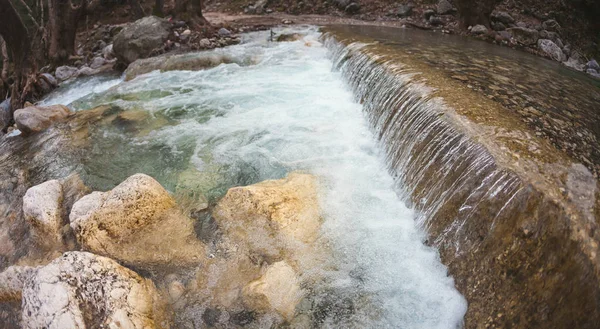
(236, 125)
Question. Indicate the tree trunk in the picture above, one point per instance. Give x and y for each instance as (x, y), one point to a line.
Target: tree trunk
(62, 24)
(474, 12)
(159, 6)
(5, 62)
(23, 39)
(191, 12)
(136, 8)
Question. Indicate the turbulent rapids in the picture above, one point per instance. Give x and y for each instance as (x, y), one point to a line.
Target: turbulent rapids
(416, 204)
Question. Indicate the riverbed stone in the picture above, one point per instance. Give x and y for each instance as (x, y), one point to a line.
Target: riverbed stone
(34, 119)
(552, 50)
(524, 35)
(137, 223)
(83, 290)
(593, 65)
(42, 208)
(63, 73)
(278, 289)
(140, 38)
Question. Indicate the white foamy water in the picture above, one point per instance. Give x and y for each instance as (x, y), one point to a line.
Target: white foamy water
(76, 89)
(290, 112)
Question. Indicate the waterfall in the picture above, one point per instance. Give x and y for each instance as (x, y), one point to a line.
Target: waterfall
(509, 245)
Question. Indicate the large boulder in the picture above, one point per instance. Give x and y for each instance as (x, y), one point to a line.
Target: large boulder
(34, 119)
(140, 38)
(552, 50)
(524, 35)
(42, 208)
(12, 281)
(83, 290)
(277, 290)
(63, 73)
(138, 223)
(288, 205)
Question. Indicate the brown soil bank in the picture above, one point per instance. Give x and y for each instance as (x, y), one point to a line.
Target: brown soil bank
(514, 217)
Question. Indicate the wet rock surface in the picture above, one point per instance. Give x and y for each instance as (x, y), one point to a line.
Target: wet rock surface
(526, 226)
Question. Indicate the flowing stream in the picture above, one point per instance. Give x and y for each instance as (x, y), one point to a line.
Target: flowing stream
(292, 110)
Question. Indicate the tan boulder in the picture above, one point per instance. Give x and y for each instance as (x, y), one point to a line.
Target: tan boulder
(42, 208)
(137, 222)
(278, 289)
(288, 205)
(34, 119)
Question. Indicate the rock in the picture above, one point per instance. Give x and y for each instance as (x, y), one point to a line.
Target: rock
(444, 7)
(551, 49)
(185, 35)
(204, 43)
(435, 20)
(278, 289)
(524, 36)
(593, 65)
(288, 205)
(504, 35)
(12, 281)
(108, 52)
(223, 32)
(479, 29)
(42, 208)
(82, 290)
(50, 79)
(502, 17)
(567, 49)
(352, 8)
(190, 61)
(428, 13)
(287, 37)
(97, 62)
(63, 73)
(140, 38)
(34, 119)
(137, 223)
(591, 71)
(551, 25)
(498, 26)
(405, 10)
(522, 24)
(575, 61)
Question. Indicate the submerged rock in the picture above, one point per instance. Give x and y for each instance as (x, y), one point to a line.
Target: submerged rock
(34, 119)
(552, 50)
(137, 223)
(42, 208)
(277, 290)
(285, 37)
(140, 38)
(82, 290)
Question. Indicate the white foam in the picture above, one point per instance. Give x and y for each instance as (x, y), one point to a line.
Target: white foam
(288, 112)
